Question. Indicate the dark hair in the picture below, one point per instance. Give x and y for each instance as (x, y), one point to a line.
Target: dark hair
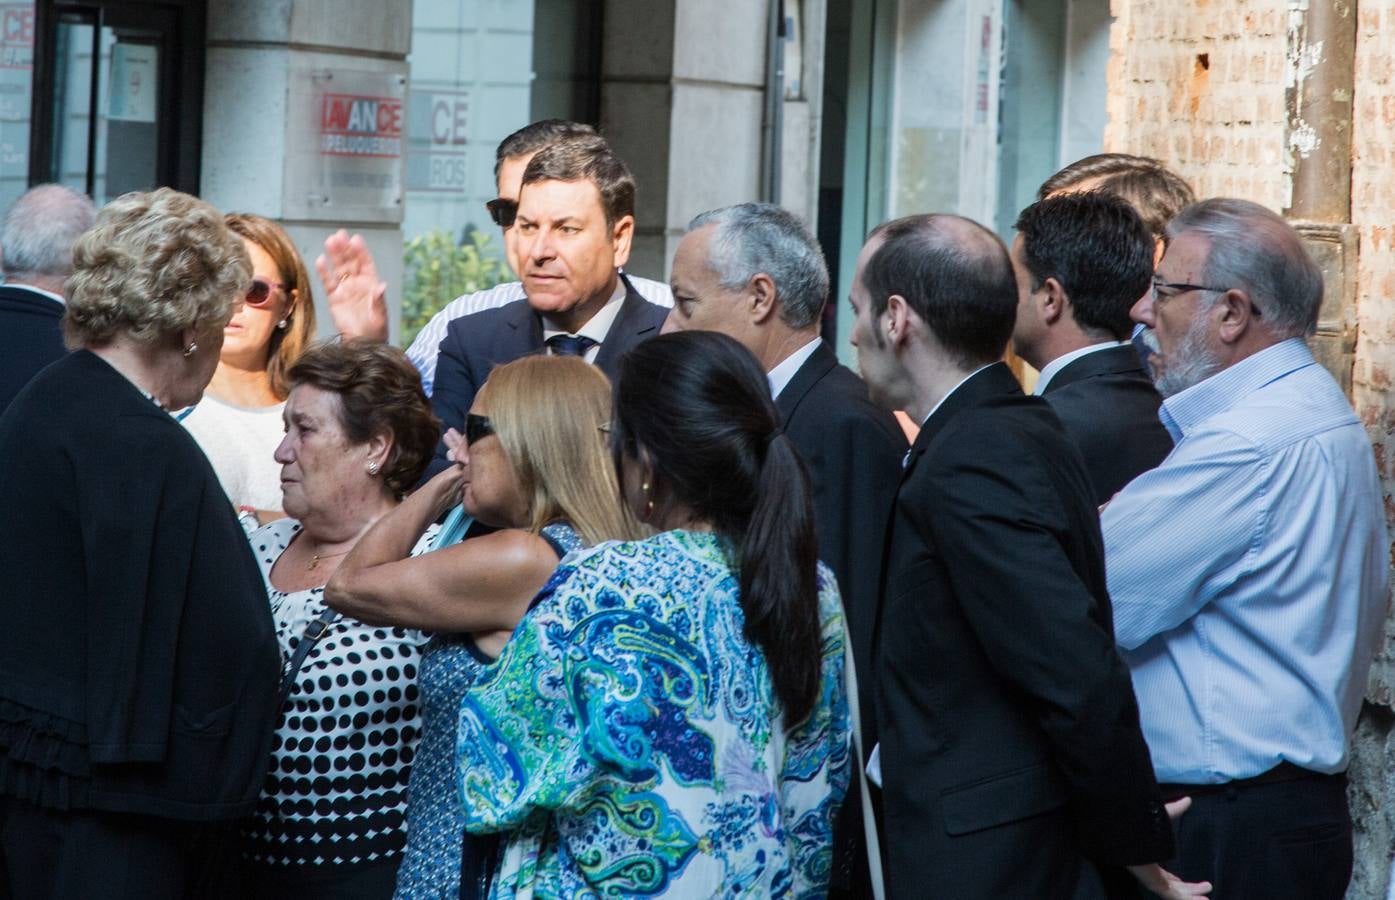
(379, 393)
(533, 137)
(1097, 248)
(587, 159)
(286, 343)
(1156, 192)
(955, 274)
(697, 405)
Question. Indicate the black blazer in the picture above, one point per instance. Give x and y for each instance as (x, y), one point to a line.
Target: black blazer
(30, 337)
(853, 451)
(1109, 407)
(476, 343)
(1012, 760)
(138, 660)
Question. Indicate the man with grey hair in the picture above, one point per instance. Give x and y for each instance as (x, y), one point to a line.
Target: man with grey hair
(36, 241)
(755, 273)
(1248, 570)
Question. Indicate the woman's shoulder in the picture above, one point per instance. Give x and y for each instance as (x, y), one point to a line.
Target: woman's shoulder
(271, 540)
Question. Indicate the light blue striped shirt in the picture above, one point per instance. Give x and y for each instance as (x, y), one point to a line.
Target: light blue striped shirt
(1248, 573)
(427, 345)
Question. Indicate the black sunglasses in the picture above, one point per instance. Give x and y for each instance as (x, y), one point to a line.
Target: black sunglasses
(477, 428)
(502, 211)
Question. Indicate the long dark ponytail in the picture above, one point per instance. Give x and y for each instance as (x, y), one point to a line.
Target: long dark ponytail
(697, 405)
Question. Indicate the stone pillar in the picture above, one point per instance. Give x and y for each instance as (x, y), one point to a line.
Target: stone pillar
(682, 93)
(269, 64)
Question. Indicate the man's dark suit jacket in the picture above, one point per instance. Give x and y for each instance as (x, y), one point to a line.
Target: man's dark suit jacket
(853, 451)
(30, 337)
(476, 343)
(1109, 407)
(1012, 760)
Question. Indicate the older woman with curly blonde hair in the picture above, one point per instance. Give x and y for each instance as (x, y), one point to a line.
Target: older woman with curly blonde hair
(138, 662)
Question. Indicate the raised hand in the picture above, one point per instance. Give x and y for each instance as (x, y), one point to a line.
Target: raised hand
(357, 297)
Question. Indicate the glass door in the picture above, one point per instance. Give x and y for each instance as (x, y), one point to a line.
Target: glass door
(118, 99)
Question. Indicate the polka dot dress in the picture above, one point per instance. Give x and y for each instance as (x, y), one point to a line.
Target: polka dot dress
(336, 792)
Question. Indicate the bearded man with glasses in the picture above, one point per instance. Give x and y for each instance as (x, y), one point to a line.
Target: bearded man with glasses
(1248, 570)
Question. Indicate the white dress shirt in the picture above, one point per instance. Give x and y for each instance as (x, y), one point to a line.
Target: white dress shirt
(781, 375)
(596, 328)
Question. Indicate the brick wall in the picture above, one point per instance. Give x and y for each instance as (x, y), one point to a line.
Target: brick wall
(1200, 85)
(1373, 212)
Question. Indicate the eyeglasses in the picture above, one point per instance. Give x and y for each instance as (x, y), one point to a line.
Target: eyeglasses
(259, 294)
(1178, 288)
(502, 211)
(477, 428)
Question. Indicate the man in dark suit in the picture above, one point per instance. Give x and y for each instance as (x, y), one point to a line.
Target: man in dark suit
(1082, 260)
(575, 222)
(1010, 751)
(755, 273)
(37, 245)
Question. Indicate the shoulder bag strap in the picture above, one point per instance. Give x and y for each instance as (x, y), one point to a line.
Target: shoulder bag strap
(313, 632)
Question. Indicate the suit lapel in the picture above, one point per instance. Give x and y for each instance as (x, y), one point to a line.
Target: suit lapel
(820, 363)
(991, 381)
(1114, 361)
(525, 329)
(629, 326)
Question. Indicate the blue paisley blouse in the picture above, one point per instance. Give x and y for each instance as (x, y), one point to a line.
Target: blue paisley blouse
(628, 741)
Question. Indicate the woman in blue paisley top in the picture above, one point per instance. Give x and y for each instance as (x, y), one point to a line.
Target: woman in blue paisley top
(670, 717)
(533, 463)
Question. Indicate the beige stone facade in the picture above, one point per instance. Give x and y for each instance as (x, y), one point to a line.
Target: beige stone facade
(1201, 84)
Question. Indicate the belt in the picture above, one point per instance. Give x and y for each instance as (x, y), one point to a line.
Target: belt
(1284, 771)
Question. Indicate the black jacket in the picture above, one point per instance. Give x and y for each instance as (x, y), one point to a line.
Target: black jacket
(853, 451)
(1012, 760)
(30, 337)
(1109, 407)
(138, 661)
(476, 343)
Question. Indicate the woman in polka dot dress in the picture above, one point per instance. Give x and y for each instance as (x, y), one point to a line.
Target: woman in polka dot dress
(533, 463)
(331, 818)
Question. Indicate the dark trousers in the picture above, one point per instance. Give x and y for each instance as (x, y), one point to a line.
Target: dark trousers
(55, 854)
(1283, 836)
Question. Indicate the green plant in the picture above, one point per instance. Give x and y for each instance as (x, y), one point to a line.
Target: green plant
(437, 269)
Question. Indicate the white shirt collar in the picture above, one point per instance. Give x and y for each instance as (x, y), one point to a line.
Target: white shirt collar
(951, 391)
(781, 375)
(599, 325)
(38, 290)
(1050, 370)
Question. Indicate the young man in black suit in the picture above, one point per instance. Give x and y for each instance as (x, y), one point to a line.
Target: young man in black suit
(1010, 751)
(1082, 260)
(37, 245)
(575, 223)
(755, 273)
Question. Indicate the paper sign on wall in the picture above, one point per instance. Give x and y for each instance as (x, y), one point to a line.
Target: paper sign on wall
(131, 88)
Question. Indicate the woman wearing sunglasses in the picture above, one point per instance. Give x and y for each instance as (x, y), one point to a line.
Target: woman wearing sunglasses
(238, 422)
(533, 463)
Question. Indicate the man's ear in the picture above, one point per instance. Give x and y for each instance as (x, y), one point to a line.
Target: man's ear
(762, 297)
(896, 321)
(1237, 315)
(622, 235)
(1051, 299)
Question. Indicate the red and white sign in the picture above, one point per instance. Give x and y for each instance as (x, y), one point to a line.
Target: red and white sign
(354, 125)
(16, 36)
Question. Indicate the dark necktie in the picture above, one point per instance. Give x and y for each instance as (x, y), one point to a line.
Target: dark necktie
(570, 344)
